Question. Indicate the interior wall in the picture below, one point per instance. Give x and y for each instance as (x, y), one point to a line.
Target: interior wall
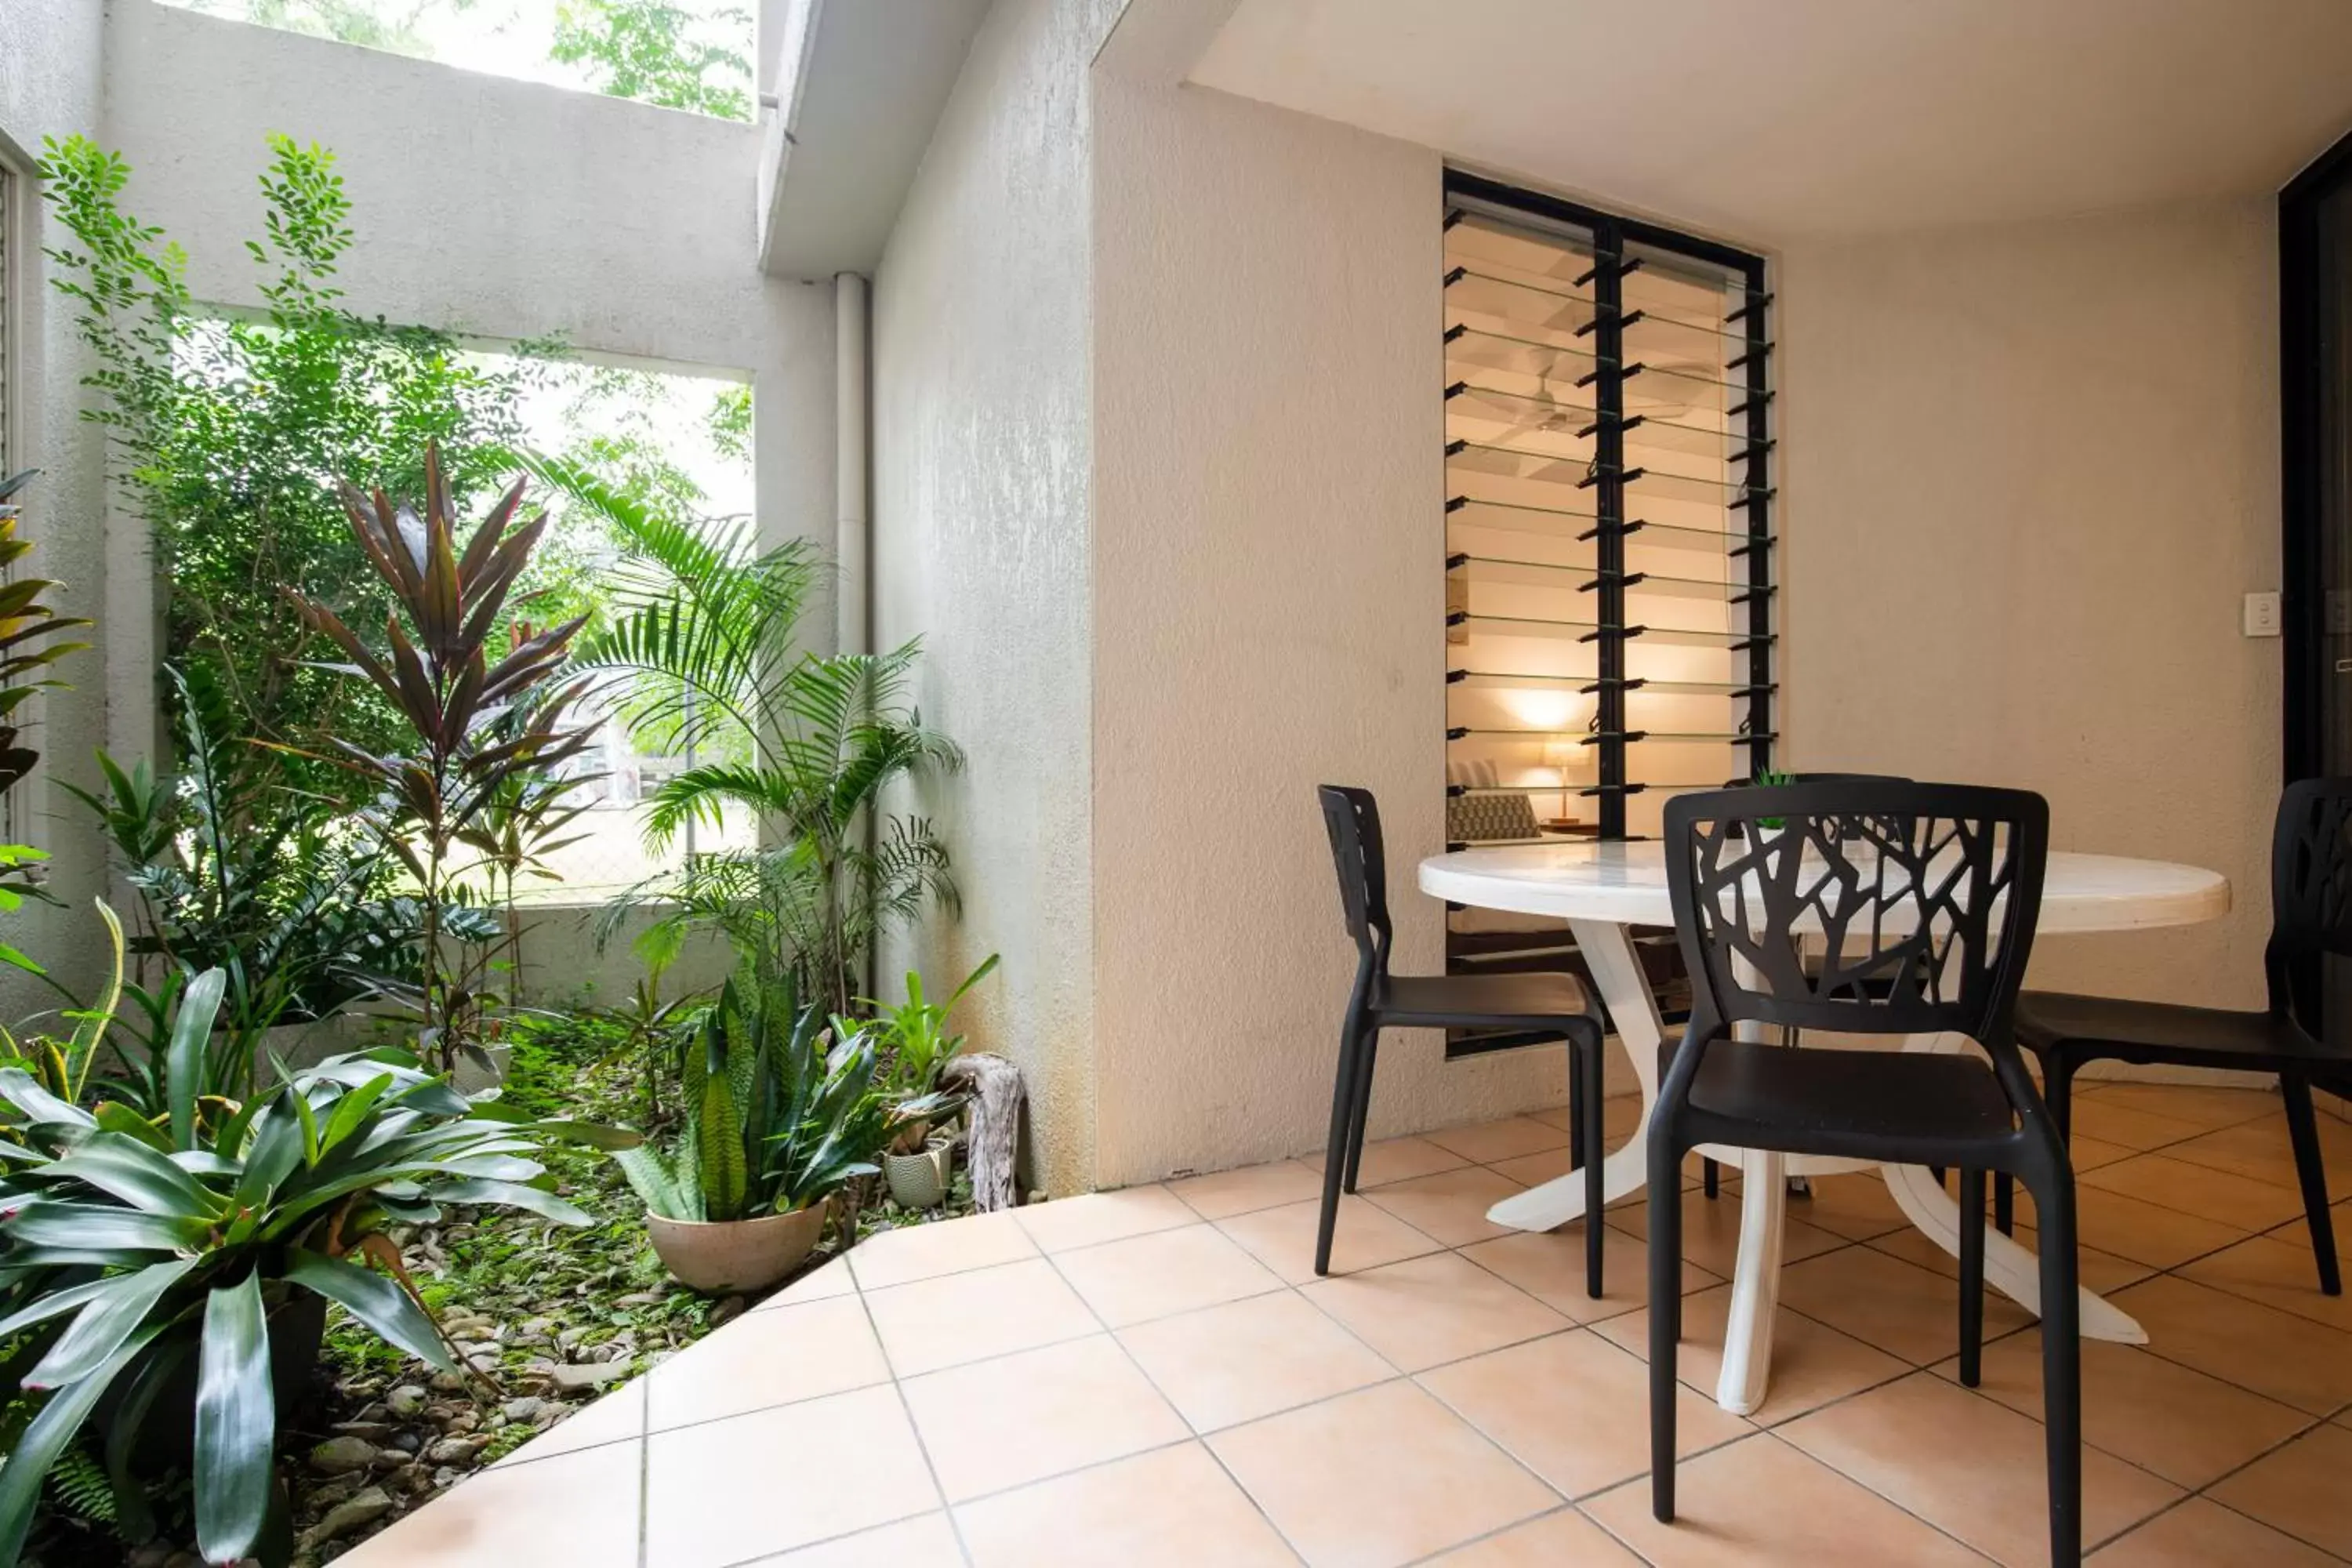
(1268, 497)
(981, 514)
(2028, 472)
(52, 53)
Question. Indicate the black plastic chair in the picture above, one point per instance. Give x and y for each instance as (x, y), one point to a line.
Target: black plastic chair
(1710, 1174)
(1875, 909)
(1546, 1001)
(2311, 915)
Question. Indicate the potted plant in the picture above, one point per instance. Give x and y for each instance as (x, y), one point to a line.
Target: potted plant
(165, 1275)
(778, 1117)
(917, 1047)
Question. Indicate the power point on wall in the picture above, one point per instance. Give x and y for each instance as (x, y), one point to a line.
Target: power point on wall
(2263, 615)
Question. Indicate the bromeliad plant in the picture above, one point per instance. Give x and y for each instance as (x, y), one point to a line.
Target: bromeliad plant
(29, 645)
(480, 727)
(777, 1116)
(134, 1250)
(915, 1049)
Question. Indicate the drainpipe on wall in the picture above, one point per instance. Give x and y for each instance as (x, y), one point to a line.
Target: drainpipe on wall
(853, 523)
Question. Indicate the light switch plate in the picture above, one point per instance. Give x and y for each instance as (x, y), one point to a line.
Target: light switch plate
(2263, 615)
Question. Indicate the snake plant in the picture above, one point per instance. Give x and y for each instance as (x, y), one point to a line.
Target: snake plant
(134, 1250)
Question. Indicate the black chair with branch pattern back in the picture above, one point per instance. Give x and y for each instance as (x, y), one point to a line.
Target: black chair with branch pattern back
(1865, 908)
(1546, 1001)
(2311, 917)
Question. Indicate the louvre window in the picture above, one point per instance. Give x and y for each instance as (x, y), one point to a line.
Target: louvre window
(1609, 547)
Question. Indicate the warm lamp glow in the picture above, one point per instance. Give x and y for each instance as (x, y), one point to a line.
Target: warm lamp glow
(1542, 709)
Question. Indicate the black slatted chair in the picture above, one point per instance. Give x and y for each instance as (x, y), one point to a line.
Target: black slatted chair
(1710, 1174)
(2311, 915)
(1876, 909)
(1548, 1002)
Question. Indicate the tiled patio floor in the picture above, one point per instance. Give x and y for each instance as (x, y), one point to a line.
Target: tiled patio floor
(1154, 1376)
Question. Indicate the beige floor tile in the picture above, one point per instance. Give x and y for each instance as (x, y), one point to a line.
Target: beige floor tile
(822, 1283)
(2300, 1489)
(1450, 1205)
(925, 1538)
(1426, 1310)
(2258, 1151)
(2201, 1534)
(2090, 1154)
(1620, 1114)
(1395, 1160)
(2206, 1107)
(1487, 1142)
(1574, 1408)
(1857, 1206)
(718, 1493)
(1167, 1271)
(1021, 1418)
(1565, 1539)
(2274, 1353)
(947, 1247)
(1969, 1467)
(580, 1510)
(1896, 1307)
(1762, 1504)
(1223, 1365)
(934, 1323)
(1251, 1187)
(1094, 1218)
(2100, 1271)
(2217, 1195)
(618, 1417)
(1812, 1363)
(1711, 1231)
(1378, 1477)
(2162, 1416)
(2295, 1233)
(1531, 1170)
(767, 1358)
(1550, 1266)
(2093, 1116)
(1175, 1508)
(2126, 1227)
(2278, 1270)
(1363, 1236)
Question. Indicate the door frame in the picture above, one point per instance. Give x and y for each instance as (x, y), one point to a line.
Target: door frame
(2301, 364)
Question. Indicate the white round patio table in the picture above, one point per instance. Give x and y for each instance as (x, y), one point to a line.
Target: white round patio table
(1603, 889)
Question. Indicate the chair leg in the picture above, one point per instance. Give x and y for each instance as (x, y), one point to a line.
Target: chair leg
(1595, 1146)
(2004, 1201)
(1576, 1098)
(2302, 1131)
(2062, 1363)
(1972, 1237)
(2058, 1094)
(1665, 1202)
(1335, 1153)
(1367, 1050)
(1710, 1177)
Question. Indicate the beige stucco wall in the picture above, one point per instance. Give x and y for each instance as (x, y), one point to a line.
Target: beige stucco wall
(981, 482)
(1268, 494)
(2028, 472)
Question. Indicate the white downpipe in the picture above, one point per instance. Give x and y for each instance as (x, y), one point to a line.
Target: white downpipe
(853, 541)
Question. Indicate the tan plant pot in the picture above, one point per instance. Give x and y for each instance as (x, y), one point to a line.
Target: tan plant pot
(919, 1181)
(727, 1258)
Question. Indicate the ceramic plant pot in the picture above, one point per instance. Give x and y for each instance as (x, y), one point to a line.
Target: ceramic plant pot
(728, 1258)
(919, 1181)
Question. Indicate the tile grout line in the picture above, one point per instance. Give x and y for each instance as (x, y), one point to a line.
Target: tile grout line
(914, 1428)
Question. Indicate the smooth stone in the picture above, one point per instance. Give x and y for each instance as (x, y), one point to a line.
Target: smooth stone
(589, 1374)
(337, 1455)
(362, 1507)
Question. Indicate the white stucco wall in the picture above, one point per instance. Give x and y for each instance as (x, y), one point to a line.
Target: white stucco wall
(51, 60)
(2028, 471)
(981, 475)
(501, 208)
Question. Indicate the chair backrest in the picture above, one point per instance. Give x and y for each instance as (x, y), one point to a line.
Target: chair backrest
(1863, 908)
(1825, 778)
(2311, 888)
(1354, 820)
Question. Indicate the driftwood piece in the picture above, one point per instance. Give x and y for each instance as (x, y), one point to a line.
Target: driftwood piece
(994, 1145)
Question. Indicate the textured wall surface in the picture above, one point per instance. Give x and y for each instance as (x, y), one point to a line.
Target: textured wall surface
(1268, 600)
(2029, 471)
(980, 456)
(51, 59)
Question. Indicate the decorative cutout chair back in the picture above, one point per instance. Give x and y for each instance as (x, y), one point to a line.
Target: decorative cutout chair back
(2311, 891)
(1915, 902)
(1354, 820)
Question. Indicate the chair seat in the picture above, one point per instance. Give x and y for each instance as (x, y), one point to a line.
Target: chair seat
(1868, 1104)
(1472, 1001)
(2047, 1020)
